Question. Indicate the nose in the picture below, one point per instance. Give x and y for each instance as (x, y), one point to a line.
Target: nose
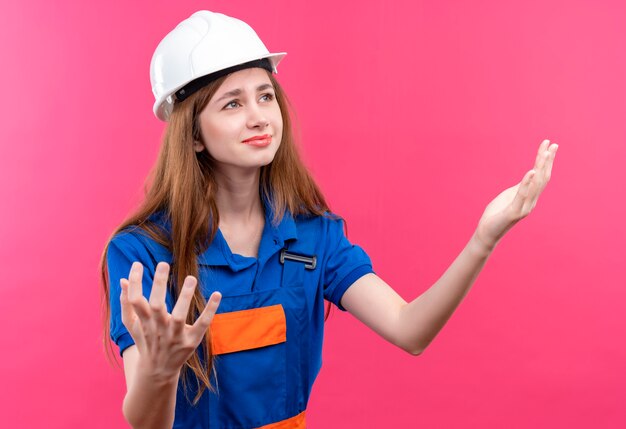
(257, 118)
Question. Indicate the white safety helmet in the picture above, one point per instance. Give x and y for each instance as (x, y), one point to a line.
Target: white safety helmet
(200, 49)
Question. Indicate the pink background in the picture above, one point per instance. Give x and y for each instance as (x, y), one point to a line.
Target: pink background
(414, 115)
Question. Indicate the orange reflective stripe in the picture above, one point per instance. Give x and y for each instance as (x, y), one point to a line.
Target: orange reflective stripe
(248, 329)
(296, 422)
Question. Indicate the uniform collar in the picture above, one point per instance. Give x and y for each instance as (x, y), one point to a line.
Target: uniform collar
(273, 240)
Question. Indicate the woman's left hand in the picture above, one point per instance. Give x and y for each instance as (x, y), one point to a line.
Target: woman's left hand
(515, 203)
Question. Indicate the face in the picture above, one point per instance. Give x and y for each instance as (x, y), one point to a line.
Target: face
(241, 125)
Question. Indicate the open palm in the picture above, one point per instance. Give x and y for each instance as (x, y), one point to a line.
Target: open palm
(516, 202)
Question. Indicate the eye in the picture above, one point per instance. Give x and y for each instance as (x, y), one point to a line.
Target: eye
(267, 97)
(232, 104)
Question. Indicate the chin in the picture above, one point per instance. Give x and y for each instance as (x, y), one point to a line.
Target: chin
(268, 162)
(266, 159)
(257, 163)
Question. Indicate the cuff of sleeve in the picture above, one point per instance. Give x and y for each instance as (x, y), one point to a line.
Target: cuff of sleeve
(124, 341)
(347, 281)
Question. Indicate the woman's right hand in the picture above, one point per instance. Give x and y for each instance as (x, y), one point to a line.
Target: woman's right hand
(164, 341)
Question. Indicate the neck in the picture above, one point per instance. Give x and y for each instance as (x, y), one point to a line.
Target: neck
(237, 198)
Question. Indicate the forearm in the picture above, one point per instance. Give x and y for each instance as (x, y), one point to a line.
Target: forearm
(412, 326)
(150, 402)
(422, 319)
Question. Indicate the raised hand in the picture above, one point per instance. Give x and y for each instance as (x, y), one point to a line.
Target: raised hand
(164, 341)
(515, 203)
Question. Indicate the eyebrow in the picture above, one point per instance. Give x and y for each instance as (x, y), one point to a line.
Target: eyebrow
(237, 92)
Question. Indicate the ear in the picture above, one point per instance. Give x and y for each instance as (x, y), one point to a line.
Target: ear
(198, 146)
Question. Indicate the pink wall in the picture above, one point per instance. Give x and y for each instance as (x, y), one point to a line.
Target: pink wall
(414, 114)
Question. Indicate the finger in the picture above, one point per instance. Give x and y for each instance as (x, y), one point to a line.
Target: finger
(523, 193)
(542, 148)
(135, 294)
(128, 314)
(540, 159)
(541, 179)
(204, 320)
(181, 309)
(547, 173)
(538, 182)
(543, 166)
(159, 290)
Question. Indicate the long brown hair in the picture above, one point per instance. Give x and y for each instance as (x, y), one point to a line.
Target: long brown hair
(182, 185)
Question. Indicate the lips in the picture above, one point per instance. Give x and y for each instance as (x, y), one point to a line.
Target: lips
(259, 141)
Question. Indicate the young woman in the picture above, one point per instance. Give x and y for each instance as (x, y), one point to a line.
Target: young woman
(216, 285)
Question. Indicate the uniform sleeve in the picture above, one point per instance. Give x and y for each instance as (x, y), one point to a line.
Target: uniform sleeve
(345, 263)
(124, 249)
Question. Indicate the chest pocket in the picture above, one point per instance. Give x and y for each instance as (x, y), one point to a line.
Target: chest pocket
(248, 329)
(261, 346)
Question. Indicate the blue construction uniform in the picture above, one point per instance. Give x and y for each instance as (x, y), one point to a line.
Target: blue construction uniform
(267, 384)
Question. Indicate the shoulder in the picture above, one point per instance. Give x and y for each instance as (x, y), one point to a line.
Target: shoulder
(327, 226)
(315, 222)
(140, 243)
(318, 234)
